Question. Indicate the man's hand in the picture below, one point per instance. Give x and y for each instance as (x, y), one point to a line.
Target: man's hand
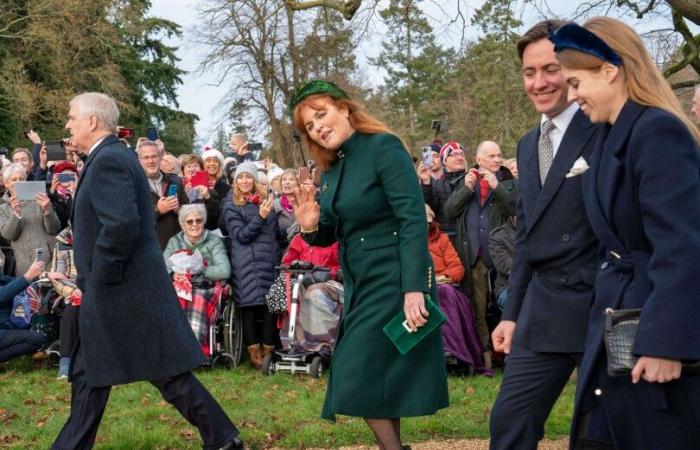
(470, 180)
(656, 370)
(34, 270)
(34, 137)
(53, 276)
(502, 336)
(490, 178)
(167, 204)
(43, 159)
(424, 174)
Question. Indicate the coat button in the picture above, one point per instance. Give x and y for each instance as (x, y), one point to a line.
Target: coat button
(564, 279)
(362, 239)
(598, 392)
(565, 237)
(604, 265)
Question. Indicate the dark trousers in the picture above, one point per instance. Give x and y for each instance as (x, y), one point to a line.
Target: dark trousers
(259, 325)
(68, 333)
(182, 391)
(532, 382)
(19, 342)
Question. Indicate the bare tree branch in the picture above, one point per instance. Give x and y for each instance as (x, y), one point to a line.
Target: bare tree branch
(347, 8)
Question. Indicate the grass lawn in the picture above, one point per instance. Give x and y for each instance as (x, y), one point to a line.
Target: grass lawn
(280, 410)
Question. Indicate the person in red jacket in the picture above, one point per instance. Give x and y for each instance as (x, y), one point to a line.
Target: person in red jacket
(459, 335)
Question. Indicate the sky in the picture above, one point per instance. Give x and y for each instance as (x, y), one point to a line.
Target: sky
(201, 94)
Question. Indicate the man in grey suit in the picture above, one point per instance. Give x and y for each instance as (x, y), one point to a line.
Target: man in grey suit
(131, 326)
(551, 283)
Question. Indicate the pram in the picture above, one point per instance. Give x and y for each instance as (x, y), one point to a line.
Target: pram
(309, 330)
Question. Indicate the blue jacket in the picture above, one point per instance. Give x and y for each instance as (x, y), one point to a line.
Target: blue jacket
(9, 287)
(253, 251)
(642, 196)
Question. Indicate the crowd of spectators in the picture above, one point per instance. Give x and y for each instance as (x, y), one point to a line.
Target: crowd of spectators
(230, 221)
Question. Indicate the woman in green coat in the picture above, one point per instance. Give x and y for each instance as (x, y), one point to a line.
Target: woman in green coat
(370, 202)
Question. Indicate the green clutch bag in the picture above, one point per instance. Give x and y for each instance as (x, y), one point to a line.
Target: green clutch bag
(401, 335)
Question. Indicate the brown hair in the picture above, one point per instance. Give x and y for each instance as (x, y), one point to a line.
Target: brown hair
(360, 120)
(22, 150)
(238, 197)
(538, 31)
(190, 159)
(643, 81)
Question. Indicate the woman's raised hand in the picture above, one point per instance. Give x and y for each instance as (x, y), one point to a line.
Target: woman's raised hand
(307, 212)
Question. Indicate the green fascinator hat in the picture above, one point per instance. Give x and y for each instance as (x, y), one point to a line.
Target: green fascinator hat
(315, 87)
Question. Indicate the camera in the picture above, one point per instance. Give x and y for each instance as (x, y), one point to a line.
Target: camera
(125, 133)
(427, 156)
(438, 126)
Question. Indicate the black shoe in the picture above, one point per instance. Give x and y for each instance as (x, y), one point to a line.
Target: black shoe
(406, 447)
(235, 444)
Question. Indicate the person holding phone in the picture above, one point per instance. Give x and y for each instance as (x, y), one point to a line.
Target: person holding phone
(26, 224)
(167, 192)
(62, 190)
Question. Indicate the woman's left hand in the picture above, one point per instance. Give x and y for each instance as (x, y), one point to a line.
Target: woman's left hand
(203, 191)
(656, 370)
(414, 309)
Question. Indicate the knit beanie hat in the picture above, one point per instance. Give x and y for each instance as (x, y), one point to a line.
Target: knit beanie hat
(435, 147)
(448, 148)
(246, 167)
(213, 153)
(63, 166)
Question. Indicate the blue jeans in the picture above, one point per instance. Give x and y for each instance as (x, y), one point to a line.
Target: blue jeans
(19, 342)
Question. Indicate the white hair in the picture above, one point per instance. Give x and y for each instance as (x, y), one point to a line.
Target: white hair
(13, 168)
(481, 146)
(239, 137)
(194, 208)
(100, 105)
(148, 143)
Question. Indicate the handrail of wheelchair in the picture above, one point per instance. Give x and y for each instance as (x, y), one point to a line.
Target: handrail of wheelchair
(312, 269)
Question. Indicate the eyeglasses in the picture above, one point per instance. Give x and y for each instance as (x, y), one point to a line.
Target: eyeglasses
(456, 154)
(194, 221)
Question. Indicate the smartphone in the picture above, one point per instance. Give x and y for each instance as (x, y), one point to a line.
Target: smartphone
(304, 174)
(38, 254)
(66, 177)
(427, 156)
(152, 134)
(172, 190)
(55, 150)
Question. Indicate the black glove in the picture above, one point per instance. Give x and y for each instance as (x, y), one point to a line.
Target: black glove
(308, 280)
(321, 276)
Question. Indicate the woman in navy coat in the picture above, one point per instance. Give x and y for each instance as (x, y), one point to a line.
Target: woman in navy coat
(643, 201)
(247, 216)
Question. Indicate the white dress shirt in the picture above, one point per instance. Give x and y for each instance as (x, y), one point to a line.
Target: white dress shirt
(561, 123)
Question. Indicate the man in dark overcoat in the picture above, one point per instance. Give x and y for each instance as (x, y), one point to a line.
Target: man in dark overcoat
(131, 326)
(545, 317)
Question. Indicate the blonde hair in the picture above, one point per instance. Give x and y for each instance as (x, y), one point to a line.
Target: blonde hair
(359, 118)
(643, 81)
(238, 196)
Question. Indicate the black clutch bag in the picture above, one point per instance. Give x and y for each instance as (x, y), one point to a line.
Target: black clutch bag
(620, 330)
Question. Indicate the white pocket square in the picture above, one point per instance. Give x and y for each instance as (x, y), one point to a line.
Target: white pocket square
(579, 167)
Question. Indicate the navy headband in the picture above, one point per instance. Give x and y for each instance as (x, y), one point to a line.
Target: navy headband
(574, 37)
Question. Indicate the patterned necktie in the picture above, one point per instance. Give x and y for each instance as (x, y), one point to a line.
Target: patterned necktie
(545, 149)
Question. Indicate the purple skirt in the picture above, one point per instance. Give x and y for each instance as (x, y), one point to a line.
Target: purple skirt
(459, 335)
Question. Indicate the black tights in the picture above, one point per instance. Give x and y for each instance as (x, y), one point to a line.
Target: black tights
(258, 320)
(69, 330)
(387, 432)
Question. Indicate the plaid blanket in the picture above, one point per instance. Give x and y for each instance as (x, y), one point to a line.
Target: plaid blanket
(201, 311)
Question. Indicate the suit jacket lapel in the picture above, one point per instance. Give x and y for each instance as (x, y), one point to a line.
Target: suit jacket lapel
(530, 185)
(575, 138)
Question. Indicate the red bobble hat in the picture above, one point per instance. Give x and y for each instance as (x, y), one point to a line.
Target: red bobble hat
(64, 166)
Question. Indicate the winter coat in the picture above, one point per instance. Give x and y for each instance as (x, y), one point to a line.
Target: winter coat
(436, 194)
(9, 287)
(34, 230)
(499, 203)
(212, 249)
(167, 225)
(253, 250)
(287, 226)
(131, 324)
(319, 256)
(445, 257)
(501, 245)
